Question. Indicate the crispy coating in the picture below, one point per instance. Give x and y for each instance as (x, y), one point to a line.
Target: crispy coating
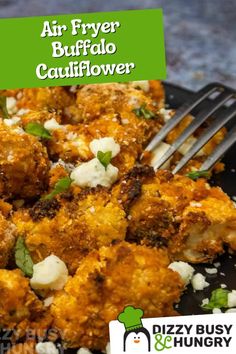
(24, 164)
(116, 98)
(73, 228)
(39, 116)
(18, 303)
(70, 144)
(7, 240)
(52, 98)
(107, 281)
(108, 111)
(189, 217)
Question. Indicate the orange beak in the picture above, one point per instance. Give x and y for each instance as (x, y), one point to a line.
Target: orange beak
(136, 341)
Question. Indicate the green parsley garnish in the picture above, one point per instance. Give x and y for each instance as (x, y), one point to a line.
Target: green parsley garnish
(22, 257)
(61, 186)
(3, 107)
(143, 112)
(219, 299)
(104, 158)
(37, 129)
(198, 174)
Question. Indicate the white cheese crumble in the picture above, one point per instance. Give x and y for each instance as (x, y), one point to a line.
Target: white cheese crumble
(51, 273)
(22, 111)
(223, 286)
(232, 299)
(46, 348)
(158, 152)
(231, 310)
(216, 310)
(211, 270)
(166, 114)
(134, 102)
(124, 121)
(199, 282)
(195, 204)
(93, 173)
(104, 145)
(84, 351)
(52, 124)
(11, 105)
(184, 269)
(48, 301)
(143, 84)
(205, 302)
(73, 88)
(11, 121)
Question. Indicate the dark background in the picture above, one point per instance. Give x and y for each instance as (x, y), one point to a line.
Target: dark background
(200, 34)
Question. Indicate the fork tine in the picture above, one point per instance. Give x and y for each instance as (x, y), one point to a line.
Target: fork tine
(219, 151)
(181, 113)
(220, 120)
(196, 123)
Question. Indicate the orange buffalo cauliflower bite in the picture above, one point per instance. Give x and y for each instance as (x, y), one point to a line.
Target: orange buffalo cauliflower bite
(57, 98)
(24, 163)
(7, 240)
(71, 229)
(19, 306)
(108, 280)
(117, 98)
(193, 220)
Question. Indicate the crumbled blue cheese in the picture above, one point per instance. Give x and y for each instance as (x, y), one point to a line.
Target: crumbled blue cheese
(52, 124)
(23, 111)
(211, 270)
(46, 348)
(166, 114)
(48, 301)
(199, 282)
(143, 84)
(184, 269)
(84, 351)
(11, 121)
(205, 302)
(231, 310)
(11, 105)
(104, 145)
(93, 173)
(232, 299)
(216, 310)
(51, 273)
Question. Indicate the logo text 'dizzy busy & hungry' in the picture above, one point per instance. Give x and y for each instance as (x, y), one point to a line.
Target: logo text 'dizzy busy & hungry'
(181, 334)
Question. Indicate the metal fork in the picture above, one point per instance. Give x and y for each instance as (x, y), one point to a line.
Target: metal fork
(220, 102)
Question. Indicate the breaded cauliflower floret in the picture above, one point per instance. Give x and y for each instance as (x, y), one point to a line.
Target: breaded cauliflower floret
(189, 217)
(39, 116)
(115, 98)
(24, 163)
(71, 229)
(109, 110)
(18, 303)
(108, 280)
(7, 240)
(52, 98)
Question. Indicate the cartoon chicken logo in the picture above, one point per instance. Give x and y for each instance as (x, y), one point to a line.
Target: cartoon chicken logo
(136, 337)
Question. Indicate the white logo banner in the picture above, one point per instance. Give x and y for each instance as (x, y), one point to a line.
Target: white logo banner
(200, 334)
